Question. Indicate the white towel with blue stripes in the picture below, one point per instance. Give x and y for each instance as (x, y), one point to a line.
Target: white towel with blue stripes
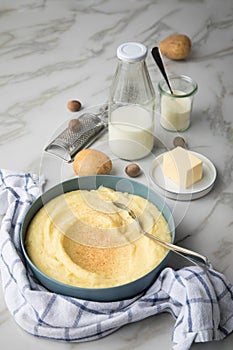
(200, 303)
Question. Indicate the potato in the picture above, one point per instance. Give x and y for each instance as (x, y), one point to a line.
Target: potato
(176, 46)
(91, 162)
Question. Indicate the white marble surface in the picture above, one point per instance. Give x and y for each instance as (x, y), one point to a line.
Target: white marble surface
(52, 51)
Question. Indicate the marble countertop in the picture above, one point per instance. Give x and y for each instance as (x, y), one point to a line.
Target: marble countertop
(52, 51)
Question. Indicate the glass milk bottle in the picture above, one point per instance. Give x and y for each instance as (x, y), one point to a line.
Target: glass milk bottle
(131, 104)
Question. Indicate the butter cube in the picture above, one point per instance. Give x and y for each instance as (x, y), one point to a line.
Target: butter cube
(182, 167)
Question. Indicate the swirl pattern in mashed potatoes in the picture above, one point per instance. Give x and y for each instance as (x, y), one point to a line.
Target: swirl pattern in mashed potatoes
(82, 239)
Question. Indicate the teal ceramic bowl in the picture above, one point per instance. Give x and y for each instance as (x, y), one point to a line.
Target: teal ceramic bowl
(121, 184)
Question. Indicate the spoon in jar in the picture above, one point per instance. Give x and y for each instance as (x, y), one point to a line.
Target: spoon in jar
(190, 255)
(156, 55)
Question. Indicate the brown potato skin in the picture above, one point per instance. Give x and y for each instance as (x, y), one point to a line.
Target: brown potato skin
(91, 162)
(176, 46)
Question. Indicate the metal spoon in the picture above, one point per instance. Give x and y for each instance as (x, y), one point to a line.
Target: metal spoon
(190, 255)
(156, 55)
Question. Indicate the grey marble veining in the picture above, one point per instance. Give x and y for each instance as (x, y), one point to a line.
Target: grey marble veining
(52, 51)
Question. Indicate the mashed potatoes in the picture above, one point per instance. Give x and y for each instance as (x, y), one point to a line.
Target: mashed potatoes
(82, 239)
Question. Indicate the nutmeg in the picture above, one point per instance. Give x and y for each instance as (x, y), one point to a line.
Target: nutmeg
(74, 105)
(179, 141)
(133, 170)
(74, 125)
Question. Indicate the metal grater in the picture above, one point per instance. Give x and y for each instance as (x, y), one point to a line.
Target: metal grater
(68, 142)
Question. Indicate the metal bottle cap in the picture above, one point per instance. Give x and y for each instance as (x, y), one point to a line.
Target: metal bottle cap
(131, 52)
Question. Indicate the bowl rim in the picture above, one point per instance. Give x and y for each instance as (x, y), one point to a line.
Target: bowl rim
(48, 195)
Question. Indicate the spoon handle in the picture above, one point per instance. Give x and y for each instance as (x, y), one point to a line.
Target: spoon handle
(156, 55)
(190, 255)
(186, 253)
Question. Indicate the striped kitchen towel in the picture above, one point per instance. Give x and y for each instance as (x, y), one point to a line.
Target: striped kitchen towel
(201, 304)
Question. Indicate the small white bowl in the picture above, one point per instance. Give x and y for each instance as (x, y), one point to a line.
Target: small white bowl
(170, 189)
